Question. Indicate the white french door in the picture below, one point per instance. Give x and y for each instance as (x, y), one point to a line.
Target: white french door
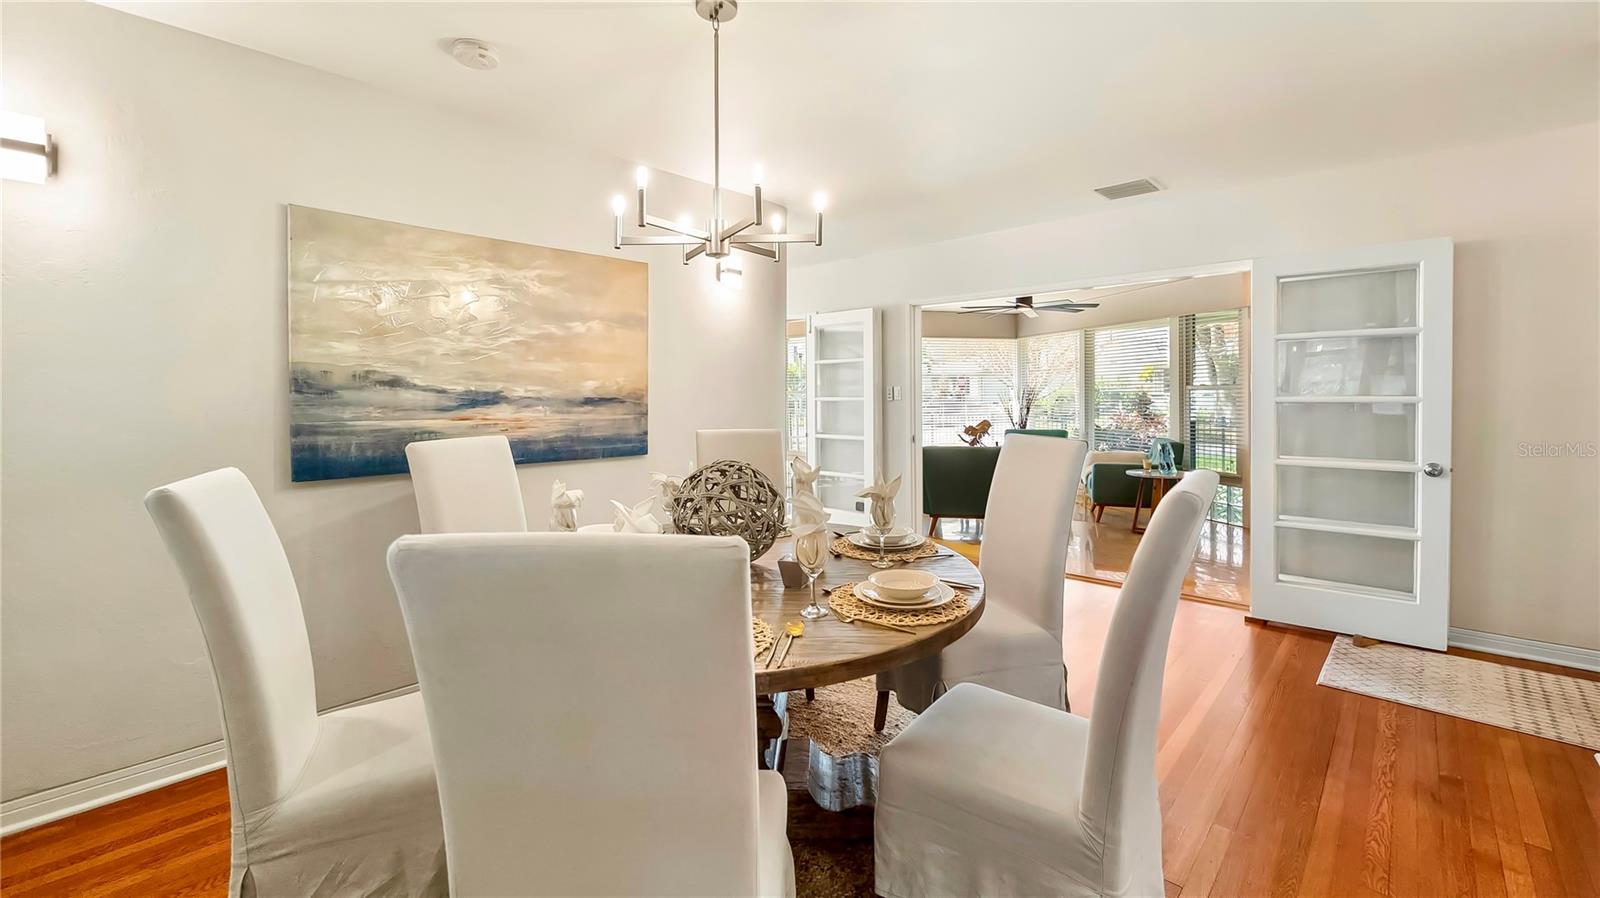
(1350, 464)
(842, 376)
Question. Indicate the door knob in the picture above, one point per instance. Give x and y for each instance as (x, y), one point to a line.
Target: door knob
(1433, 469)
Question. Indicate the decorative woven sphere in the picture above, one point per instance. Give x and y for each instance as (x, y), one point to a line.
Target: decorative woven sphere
(730, 498)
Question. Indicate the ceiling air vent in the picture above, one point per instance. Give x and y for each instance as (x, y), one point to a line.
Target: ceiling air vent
(1128, 188)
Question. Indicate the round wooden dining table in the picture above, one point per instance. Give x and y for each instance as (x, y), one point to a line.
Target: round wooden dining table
(832, 651)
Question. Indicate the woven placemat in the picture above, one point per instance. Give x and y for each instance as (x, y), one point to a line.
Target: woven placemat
(925, 549)
(761, 632)
(844, 598)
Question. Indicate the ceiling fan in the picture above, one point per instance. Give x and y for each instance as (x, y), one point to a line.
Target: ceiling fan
(1023, 305)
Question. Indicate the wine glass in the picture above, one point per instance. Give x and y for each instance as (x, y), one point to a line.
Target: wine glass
(882, 524)
(811, 552)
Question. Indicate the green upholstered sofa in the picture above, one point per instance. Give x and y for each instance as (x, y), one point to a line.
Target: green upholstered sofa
(1107, 485)
(955, 479)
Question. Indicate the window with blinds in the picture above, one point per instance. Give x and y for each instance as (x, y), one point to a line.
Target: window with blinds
(964, 381)
(1131, 393)
(1051, 371)
(1211, 353)
(794, 404)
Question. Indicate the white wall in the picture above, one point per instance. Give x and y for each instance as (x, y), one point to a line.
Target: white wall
(144, 341)
(1526, 222)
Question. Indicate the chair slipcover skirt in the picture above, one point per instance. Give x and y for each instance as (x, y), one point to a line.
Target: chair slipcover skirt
(363, 820)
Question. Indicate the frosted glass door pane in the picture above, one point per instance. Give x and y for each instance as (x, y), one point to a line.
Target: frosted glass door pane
(839, 380)
(840, 492)
(1359, 299)
(1385, 431)
(1372, 561)
(1338, 494)
(1348, 366)
(843, 456)
(839, 343)
(840, 417)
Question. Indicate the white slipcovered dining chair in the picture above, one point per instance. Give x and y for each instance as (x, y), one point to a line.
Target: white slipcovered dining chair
(987, 794)
(761, 449)
(1016, 646)
(466, 485)
(342, 803)
(556, 775)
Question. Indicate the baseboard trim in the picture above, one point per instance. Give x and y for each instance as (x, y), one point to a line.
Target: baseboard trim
(49, 805)
(1528, 649)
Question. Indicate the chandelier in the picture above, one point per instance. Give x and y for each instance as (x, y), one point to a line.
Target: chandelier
(719, 239)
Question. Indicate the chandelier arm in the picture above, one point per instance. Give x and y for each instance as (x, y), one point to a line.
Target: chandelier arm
(667, 224)
(631, 240)
(755, 250)
(745, 239)
(693, 253)
(731, 231)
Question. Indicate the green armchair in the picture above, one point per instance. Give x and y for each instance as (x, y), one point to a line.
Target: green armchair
(1105, 483)
(955, 481)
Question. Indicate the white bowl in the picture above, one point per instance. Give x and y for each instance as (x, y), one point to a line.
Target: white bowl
(903, 585)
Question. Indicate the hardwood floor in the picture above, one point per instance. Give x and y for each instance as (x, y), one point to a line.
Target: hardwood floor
(1270, 786)
(1101, 551)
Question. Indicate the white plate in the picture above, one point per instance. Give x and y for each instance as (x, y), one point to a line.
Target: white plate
(898, 538)
(938, 595)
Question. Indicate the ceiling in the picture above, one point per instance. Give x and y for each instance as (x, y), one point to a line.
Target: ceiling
(925, 121)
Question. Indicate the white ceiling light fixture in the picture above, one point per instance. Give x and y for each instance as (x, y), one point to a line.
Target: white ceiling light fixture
(720, 238)
(27, 152)
(475, 54)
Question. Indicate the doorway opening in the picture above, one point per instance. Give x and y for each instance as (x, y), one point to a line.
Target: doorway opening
(1136, 368)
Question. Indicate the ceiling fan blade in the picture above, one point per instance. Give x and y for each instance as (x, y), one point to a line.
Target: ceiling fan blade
(1059, 309)
(1028, 311)
(1071, 306)
(988, 309)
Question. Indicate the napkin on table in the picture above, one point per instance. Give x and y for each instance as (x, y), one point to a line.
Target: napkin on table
(882, 494)
(636, 519)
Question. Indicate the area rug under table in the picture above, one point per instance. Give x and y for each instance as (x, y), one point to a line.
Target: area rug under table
(1552, 706)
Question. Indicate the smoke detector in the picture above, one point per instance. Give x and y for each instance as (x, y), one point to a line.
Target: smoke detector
(1128, 188)
(474, 54)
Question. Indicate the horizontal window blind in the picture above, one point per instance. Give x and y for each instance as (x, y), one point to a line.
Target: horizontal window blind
(1212, 355)
(794, 405)
(1131, 393)
(964, 381)
(1051, 368)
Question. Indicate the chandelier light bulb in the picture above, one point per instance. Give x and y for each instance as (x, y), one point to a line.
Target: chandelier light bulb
(641, 177)
(757, 174)
(819, 202)
(618, 205)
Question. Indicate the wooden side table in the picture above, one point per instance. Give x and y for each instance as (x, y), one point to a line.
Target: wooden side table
(1157, 488)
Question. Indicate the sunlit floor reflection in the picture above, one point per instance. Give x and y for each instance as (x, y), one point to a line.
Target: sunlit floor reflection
(1103, 551)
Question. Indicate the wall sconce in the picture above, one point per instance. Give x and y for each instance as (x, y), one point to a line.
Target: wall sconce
(26, 151)
(730, 276)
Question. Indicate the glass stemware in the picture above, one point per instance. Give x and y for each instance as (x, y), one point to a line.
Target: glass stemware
(882, 524)
(811, 552)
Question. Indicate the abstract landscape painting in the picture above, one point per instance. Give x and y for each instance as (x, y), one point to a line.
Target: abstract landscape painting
(400, 333)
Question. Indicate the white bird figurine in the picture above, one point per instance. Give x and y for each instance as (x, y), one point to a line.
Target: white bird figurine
(564, 507)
